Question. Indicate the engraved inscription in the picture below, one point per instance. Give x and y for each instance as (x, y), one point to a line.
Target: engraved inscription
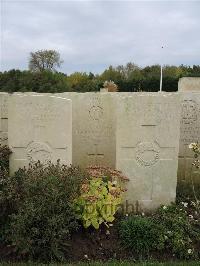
(190, 129)
(147, 153)
(4, 107)
(96, 126)
(190, 134)
(151, 115)
(96, 132)
(189, 112)
(38, 151)
(40, 113)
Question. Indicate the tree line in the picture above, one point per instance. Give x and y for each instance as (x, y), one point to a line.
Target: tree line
(43, 76)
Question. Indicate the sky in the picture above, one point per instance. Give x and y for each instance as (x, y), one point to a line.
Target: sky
(92, 35)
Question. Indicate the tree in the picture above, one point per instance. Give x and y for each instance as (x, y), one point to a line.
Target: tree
(81, 82)
(128, 71)
(151, 71)
(44, 60)
(111, 74)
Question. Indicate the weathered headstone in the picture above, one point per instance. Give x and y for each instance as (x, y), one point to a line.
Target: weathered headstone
(190, 132)
(4, 118)
(147, 135)
(189, 84)
(39, 128)
(104, 90)
(93, 129)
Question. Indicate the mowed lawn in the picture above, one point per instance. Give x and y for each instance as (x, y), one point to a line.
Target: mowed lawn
(113, 263)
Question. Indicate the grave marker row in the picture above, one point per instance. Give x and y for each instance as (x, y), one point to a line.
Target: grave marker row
(137, 133)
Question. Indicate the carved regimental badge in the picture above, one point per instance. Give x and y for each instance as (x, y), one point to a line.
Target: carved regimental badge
(38, 151)
(96, 112)
(147, 153)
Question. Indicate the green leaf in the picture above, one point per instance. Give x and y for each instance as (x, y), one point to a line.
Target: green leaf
(95, 223)
(87, 223)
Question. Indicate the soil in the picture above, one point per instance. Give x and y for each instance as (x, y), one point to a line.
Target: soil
(85, 245)
(98, 245)
(92, 245)
(7, 253)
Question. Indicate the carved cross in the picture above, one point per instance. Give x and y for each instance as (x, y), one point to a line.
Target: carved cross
(96, 156)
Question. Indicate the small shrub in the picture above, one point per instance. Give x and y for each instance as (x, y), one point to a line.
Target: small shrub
(43, 216)
(196, 164)
(4, 171)
(173, 228)
(4, 160)
(185, 192)
(190, 192)
(100, 197)
(110, 85)
(141, 235)
(195, 147)
(182, 230)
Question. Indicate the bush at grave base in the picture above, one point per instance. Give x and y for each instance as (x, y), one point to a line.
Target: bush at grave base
(100, 197)
(39, 216)
(4, 159)
(43, 216)
(174, 229)
(4, 171)
(141, 235)
(40, 213)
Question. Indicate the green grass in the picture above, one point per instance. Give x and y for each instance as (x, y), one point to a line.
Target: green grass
(113, 263)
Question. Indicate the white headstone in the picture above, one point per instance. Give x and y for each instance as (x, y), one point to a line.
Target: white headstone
(39, 128)
(104, 90)
(189, 84)
(93, 129)
(148, 126)
(190, 132)
(4, 118)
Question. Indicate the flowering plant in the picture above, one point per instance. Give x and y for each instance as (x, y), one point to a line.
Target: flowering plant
(196, 163)
(110, 85)
(196, 149)
(100, 197)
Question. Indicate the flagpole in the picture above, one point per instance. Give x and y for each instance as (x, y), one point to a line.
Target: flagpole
(161, 70)
(161, 74)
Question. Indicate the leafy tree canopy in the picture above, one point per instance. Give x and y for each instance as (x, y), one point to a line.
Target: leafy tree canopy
(44, 60)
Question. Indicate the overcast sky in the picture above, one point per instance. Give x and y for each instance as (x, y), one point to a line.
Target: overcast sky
(91, 35)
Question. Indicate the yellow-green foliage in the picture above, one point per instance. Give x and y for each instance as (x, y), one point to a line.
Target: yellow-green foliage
(99, 201)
